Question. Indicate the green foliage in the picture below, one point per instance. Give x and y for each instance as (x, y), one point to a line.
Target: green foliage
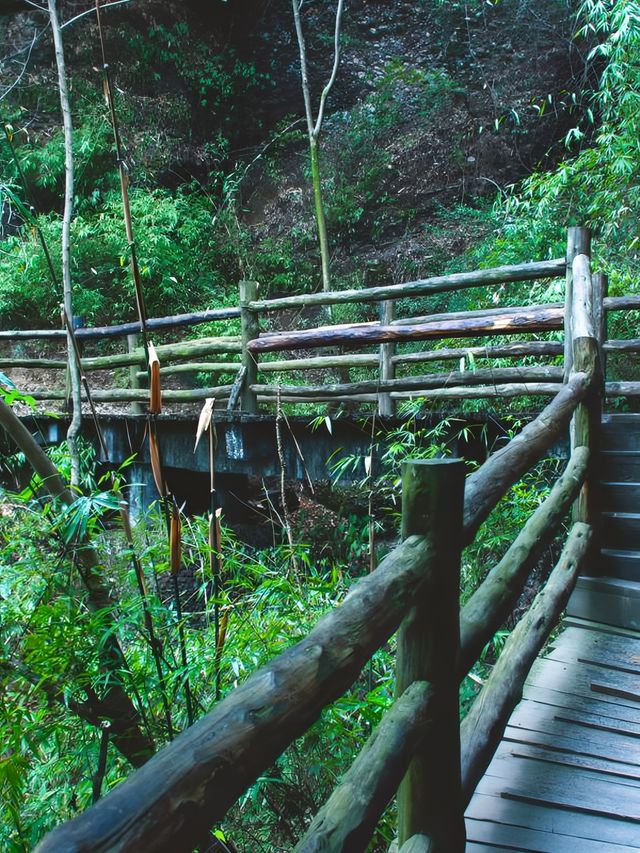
(360, 191)
(186, 262)
(599, 185)
(213, 79)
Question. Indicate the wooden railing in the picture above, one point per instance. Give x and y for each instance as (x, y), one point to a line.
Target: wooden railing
(419, 749)
(387, 374)
(390, 375)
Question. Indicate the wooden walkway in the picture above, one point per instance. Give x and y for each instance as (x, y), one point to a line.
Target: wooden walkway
(566, 776)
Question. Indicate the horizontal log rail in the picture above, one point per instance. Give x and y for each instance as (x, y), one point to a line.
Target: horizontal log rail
(496, 376)
(173, 800)
(502, 311)
(622, 345)
(123, 329)
(138, 395)
(482, 728)
(422, 287)
(464, 392)
(532, 319)
(521, 349)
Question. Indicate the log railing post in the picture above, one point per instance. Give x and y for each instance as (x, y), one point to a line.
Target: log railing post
(386, 405)
(600, 293)
(587, 325)
(578, 243)
(429, 798)
(249, 330)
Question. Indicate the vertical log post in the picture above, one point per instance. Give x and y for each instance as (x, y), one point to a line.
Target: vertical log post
(587, 329)
(578, 243)
(429, 798)
(600, 292)
(134, 380)
(249, 330)
(386, 406)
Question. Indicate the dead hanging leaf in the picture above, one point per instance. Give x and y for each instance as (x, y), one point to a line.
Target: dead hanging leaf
(155, 389)
(204, 421)
(175, 547)
(222, 634)
(156, 467)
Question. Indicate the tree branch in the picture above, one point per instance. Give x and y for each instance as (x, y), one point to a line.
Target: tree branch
(334, 72)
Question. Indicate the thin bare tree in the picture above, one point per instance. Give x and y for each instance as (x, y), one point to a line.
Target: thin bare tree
(314, 128)
(74, 367)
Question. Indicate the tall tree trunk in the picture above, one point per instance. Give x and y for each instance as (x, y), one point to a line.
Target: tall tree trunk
(321, 223)
(74, 367)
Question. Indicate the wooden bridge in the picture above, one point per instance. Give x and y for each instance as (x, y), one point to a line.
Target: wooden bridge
(557, 770)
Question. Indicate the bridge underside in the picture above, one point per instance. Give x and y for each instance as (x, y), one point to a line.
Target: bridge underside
(566, 776)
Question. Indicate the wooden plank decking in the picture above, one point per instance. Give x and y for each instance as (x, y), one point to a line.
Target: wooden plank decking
(566, 776)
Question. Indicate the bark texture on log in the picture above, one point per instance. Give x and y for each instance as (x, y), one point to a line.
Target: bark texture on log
(489, 483)
(348, 819)
(359, 334)
(484, 725)
(494, 599)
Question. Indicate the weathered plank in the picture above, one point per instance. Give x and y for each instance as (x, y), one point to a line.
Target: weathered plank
(580, 680)
(605, 766)
(573, 701)
(489, 805)
(594, 729)
(523, 838)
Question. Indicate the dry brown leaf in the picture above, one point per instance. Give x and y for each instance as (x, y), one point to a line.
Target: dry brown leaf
(175, 548)
(155, 389)
(224, 622)
(156, 467)
(204, 421)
